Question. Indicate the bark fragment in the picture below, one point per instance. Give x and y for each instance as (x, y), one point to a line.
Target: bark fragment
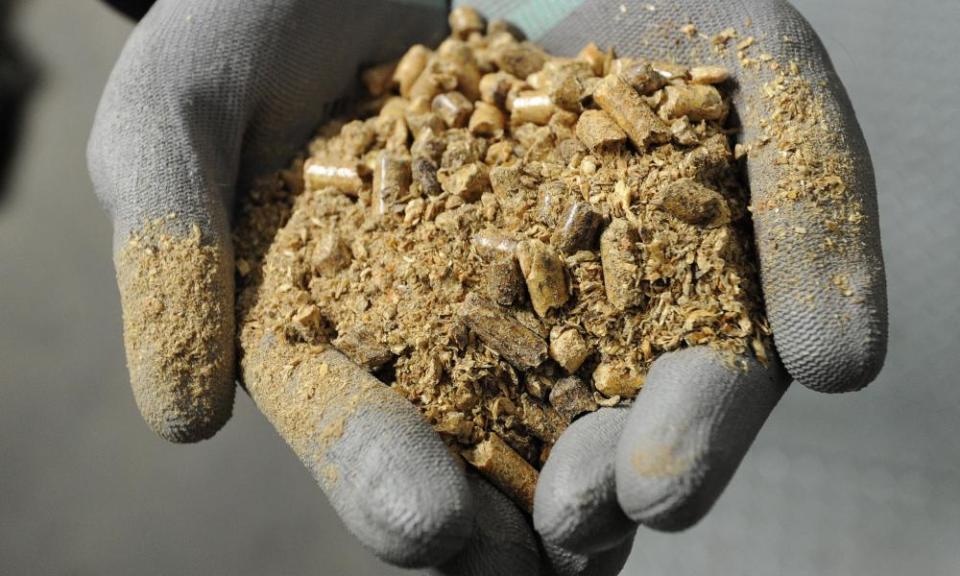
(504, 281)
(571, 397)
(520, 60)
(361, 345)
(504, 335)
(696, 204)
(581, 226)
(424, 177)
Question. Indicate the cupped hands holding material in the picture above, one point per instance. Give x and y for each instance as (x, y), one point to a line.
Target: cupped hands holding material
(206, 96)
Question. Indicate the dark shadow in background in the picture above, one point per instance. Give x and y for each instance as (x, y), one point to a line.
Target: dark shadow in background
(19, 76)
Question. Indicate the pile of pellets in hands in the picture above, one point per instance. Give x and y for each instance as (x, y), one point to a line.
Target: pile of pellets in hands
(509, 239)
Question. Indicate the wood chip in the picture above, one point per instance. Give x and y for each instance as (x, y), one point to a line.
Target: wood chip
(545, 275)
(468, 182)
(613, 379)
(596, 129)
(568, 348)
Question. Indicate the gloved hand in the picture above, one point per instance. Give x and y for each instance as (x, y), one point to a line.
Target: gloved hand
(207, 95)
(204, 96)
(664, 462)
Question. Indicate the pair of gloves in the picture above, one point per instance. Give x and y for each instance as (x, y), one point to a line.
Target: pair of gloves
(207, 95)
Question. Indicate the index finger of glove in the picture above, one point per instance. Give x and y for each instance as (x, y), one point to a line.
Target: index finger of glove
(386, 472)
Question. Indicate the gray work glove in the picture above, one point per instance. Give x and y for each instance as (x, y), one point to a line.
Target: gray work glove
(205, 96)
(664, 462)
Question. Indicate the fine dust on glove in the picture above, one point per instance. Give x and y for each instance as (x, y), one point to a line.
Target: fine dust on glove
(177, 331)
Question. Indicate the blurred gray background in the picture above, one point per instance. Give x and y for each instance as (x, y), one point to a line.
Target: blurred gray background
(862, 484)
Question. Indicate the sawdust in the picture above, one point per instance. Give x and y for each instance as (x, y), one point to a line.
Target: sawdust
(177, 330)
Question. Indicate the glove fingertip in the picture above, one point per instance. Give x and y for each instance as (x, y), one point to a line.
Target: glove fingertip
(177, 298)
(576, 504)
(687, 433)
(843, 351)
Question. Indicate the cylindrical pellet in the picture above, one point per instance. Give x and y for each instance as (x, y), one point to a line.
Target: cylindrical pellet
(506, 469)
(621, 272)
(410, 66)
(492, 245)
(463, 21)
(487, 120)
(453, 108)
(630, 112)
(343, 176)
(391, 182)
(696, 101)
(532, 106)
(495, 87)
